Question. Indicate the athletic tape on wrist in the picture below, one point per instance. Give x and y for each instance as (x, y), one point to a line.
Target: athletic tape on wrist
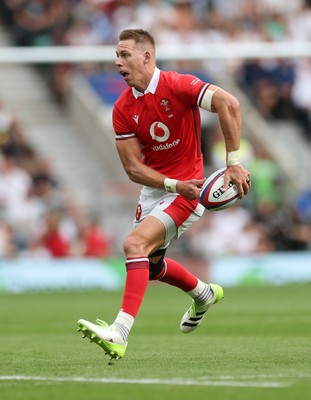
(233, 157)
(170, 185)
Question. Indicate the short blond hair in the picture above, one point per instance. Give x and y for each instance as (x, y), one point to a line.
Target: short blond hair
(139, 36)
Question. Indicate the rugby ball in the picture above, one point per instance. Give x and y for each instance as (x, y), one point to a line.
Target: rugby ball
(213, 198)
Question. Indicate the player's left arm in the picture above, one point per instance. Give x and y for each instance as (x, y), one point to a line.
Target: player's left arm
(229, 114)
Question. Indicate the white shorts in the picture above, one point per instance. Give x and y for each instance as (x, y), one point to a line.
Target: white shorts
(175, 212)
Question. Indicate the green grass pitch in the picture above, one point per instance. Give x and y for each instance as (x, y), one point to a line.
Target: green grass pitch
(255, 344)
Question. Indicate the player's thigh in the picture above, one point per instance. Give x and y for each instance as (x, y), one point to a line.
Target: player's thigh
(147, 237)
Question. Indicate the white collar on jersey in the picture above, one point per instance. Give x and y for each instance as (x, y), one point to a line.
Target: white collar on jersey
(152, 85)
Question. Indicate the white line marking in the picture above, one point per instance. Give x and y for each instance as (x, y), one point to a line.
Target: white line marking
(173, 381)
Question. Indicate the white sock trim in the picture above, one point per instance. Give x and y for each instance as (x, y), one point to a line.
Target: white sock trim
(201, 286)
(125, 319)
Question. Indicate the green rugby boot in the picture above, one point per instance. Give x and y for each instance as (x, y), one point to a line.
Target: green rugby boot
(106, 336)
(193, 317)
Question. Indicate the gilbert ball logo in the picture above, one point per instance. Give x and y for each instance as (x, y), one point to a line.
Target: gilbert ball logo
(159, 132)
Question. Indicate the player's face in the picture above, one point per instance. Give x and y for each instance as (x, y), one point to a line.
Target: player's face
(130, 62)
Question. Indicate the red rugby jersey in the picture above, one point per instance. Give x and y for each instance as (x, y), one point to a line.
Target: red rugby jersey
(166, 120)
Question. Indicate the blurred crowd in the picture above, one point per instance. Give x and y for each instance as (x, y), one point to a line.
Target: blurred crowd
(38, 218)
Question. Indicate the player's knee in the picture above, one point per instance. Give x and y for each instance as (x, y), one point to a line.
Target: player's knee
(133, 246)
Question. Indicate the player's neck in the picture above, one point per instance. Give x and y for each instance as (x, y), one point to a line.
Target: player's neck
(145, 80)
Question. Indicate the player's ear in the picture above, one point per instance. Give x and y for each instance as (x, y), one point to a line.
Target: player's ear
(147, 57)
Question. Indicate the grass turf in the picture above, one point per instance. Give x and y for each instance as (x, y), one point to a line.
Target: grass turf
(255, 344)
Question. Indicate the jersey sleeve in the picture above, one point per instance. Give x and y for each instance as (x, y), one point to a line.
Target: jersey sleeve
(120, 125)
(191, 89)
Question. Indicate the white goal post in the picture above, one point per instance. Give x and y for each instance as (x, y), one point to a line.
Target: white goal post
(222, 51)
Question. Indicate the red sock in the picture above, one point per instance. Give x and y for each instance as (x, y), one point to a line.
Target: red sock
(179, 276)
(137, 277)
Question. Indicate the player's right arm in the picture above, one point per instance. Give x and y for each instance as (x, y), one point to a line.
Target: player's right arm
(130, 156)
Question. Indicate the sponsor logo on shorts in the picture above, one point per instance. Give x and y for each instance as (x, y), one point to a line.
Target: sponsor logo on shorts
(138, 212)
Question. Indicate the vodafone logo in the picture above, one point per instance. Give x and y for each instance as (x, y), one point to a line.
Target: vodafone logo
(159, 132)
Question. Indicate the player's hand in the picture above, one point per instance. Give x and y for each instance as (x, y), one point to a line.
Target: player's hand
(190, 189)
(240, 177)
